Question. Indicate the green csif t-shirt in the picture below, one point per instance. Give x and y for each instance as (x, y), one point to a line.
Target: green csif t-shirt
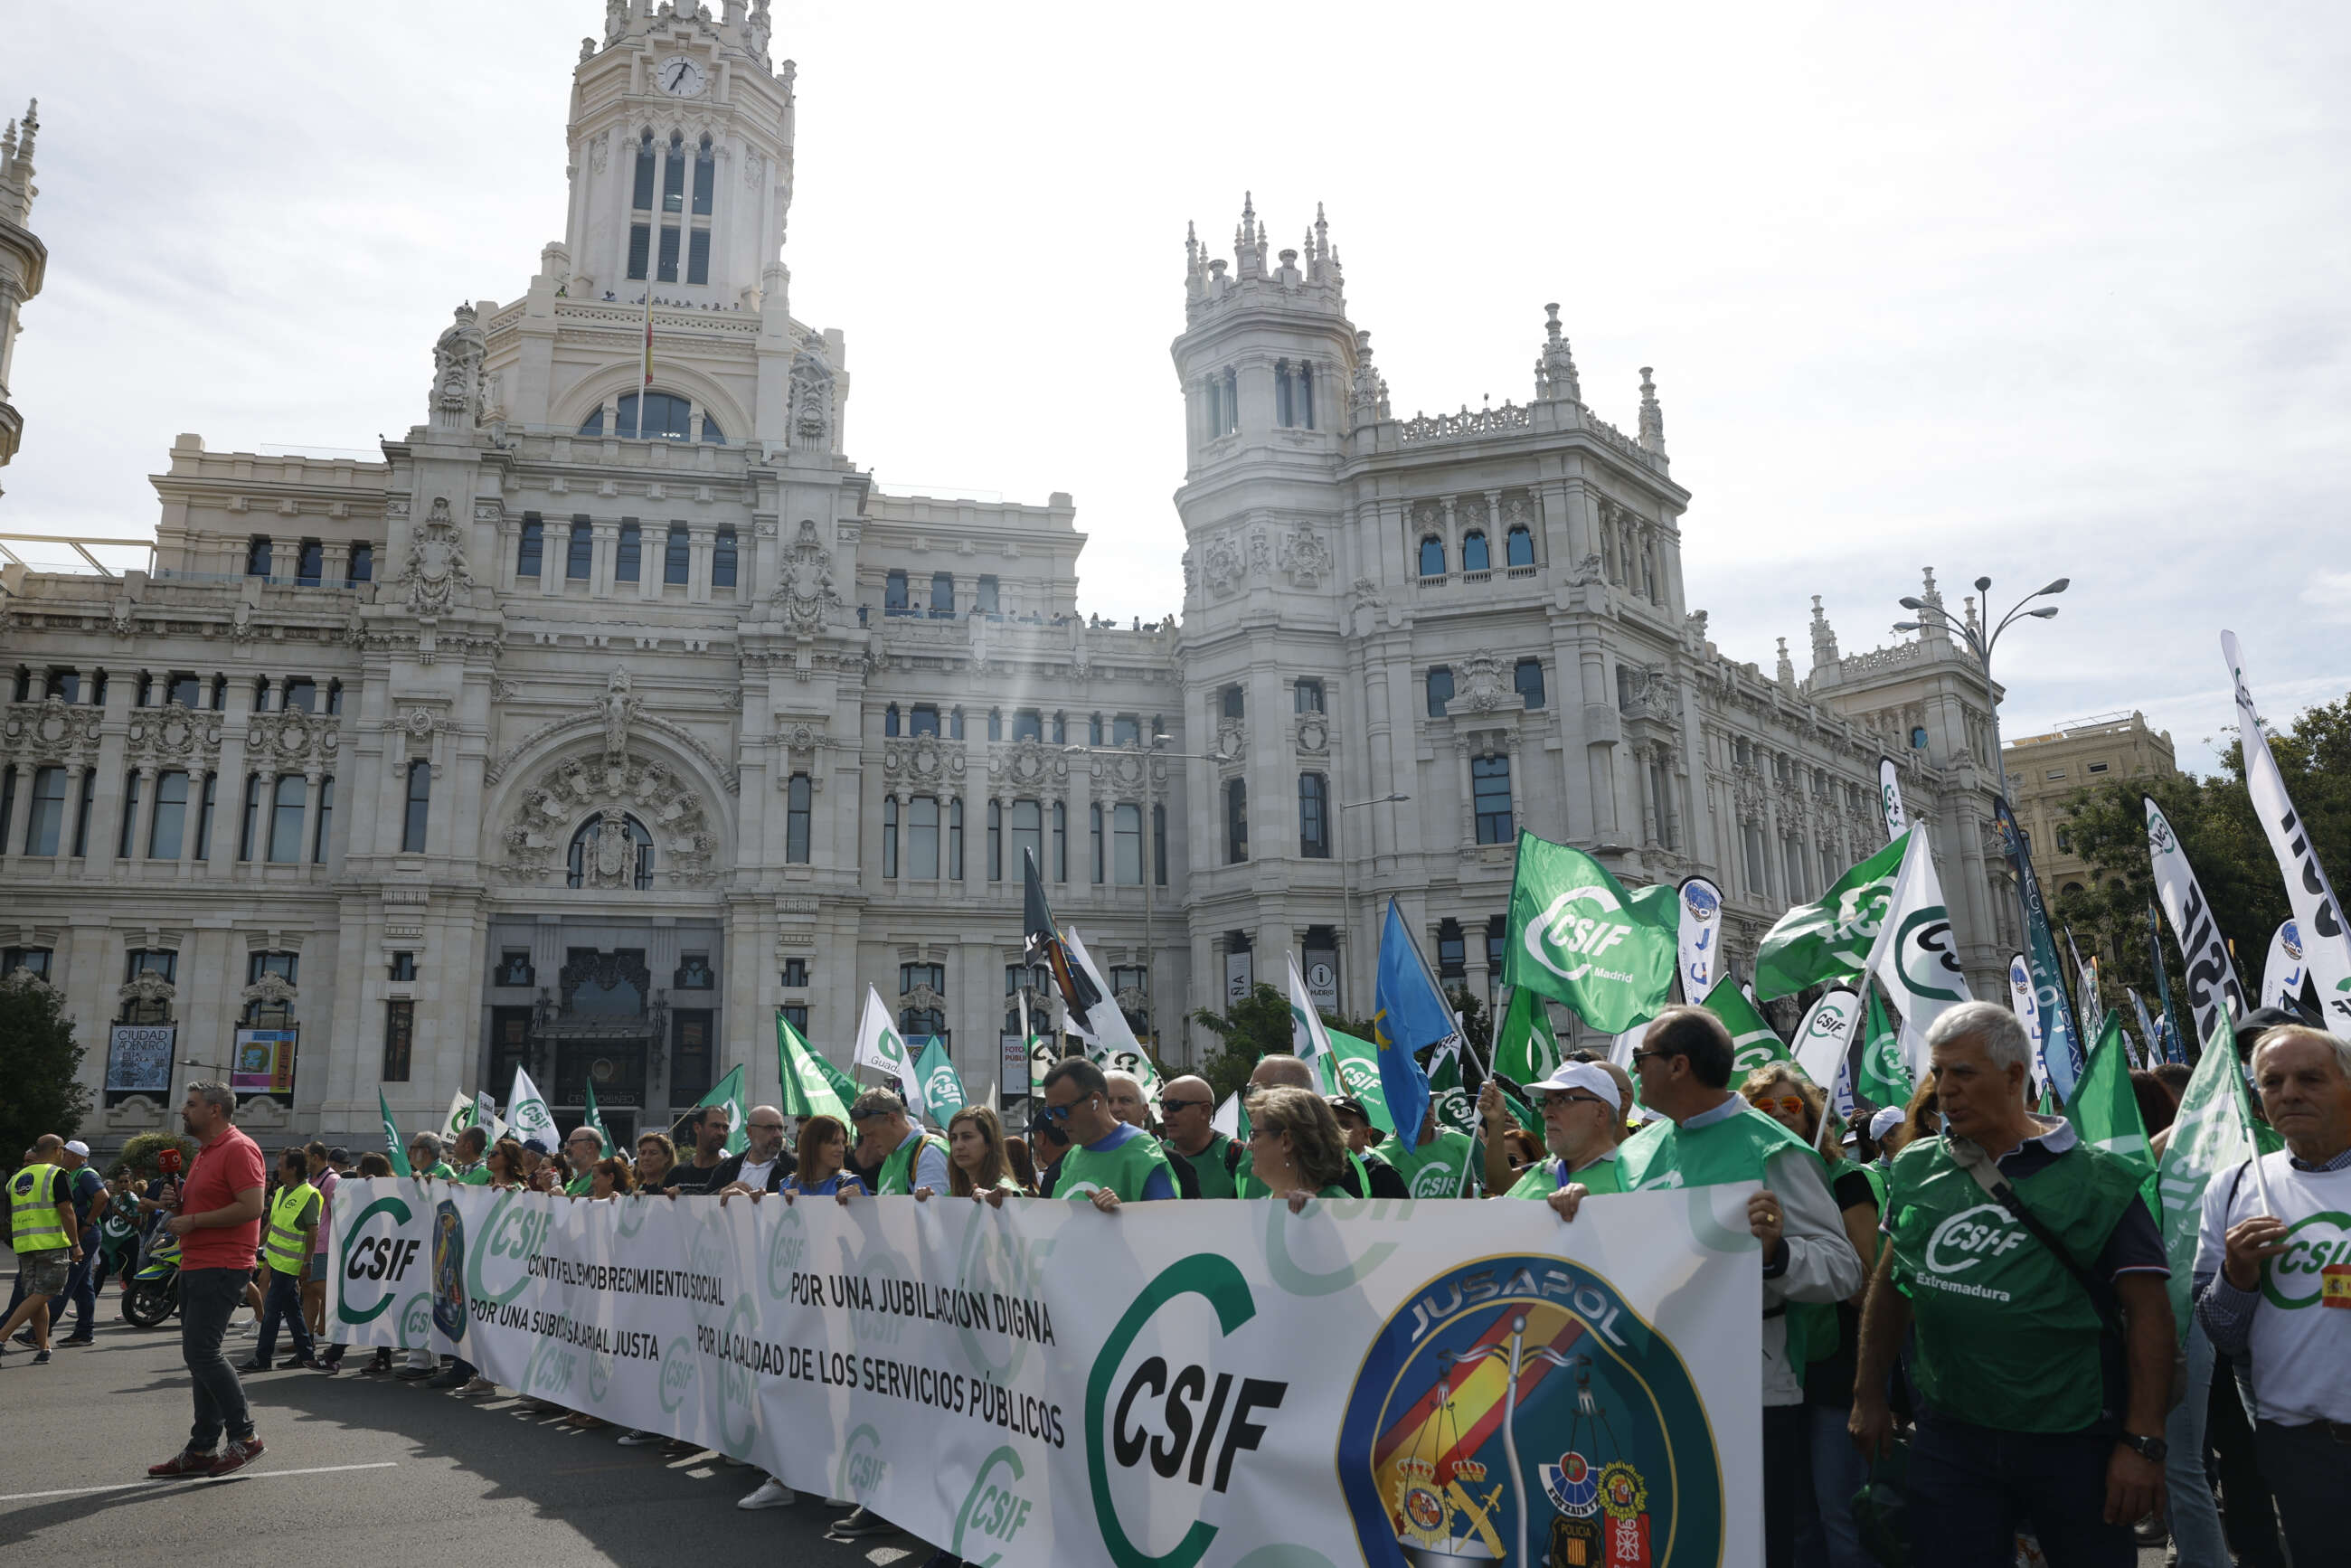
(1548, 1176)
(1436, 1168)
(1125, 1170)
(1207, 1166)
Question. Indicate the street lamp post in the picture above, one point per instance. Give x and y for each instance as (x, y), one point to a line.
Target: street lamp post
(1347, 878)
(1981, 644)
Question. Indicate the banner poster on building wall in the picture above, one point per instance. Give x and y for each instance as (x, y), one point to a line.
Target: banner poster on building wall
(1016, 1072)
(1240, 976)
(1321, 975)
(139, 1058)
(1202, 1385)
(264, 1062)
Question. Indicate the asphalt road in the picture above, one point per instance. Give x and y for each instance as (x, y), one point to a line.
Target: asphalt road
(359, 1469)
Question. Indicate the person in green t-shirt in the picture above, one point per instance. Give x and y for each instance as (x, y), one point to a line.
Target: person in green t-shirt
(1582, 1112)
(583, 1148)
(1109, 1162)
(1201, 1157)
(1440, 1162)
(472, 1169)
(1296, 1150)
(425, 1157)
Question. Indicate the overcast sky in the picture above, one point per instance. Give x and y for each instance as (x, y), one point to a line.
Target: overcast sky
(2025, 290)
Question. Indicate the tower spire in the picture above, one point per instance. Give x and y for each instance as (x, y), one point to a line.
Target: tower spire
(1555, 377)
(1653, 417)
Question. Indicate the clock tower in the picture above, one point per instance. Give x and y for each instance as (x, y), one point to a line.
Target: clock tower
(680, 156)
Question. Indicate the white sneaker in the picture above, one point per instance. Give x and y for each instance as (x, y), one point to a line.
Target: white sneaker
(772, 1493)
(637, 1437)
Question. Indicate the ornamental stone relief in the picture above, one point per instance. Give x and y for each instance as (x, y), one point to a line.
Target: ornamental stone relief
(292, 740)
(173, 733)
(1485, 687)
(1027, 763)
(805, 595)
(1313, 734)
(435, 572)
(1121, 777)
(924, 760)
(537, 837)
(1222, 564)
(1305, 556)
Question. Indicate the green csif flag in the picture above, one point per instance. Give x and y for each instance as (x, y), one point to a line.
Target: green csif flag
(2213, 1133)
(942, 1087)
(1359, 1075)
(1525, 1050)
(1447, 1093)
(596, 1121)
(1884, 1078)
(1576, 936)
(2104, 1110)
(393, 1147)
(728, 1091)
(1753, 1042)
(1831, 940)
(813, 1086)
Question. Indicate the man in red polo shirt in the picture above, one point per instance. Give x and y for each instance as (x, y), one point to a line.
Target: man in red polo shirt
(219, 1225)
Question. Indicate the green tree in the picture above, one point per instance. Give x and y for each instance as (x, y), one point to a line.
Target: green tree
(138, 1155)
(1257, 1026)
(2223, 840)
(39, 1062)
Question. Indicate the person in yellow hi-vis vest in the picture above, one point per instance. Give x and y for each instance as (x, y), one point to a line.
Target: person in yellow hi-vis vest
(43, 1235)
(292, 1216)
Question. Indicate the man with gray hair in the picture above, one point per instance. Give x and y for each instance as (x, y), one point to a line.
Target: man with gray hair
(909, 1157)
(2035, 1278)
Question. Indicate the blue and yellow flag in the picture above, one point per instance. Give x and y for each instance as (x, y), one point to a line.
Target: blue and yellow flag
(1412, 1013)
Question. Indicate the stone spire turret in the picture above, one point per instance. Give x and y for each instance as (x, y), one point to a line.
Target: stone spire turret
(23, 258)
(1653, 417)
(1555, 377)
(1824, 643)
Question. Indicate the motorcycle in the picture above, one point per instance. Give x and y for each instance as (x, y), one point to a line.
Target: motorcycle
(153, 1293)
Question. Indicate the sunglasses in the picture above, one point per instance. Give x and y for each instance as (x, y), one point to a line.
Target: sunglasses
(1185, 1104)
(1643, 1052)
(1059, 1113)
(868, 1114)
(1795, 1105)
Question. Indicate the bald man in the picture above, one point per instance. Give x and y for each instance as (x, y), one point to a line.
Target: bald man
(1204, 1158)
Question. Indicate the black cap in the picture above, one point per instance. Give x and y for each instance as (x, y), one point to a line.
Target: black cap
(338, 1155)
(2261, 1020)
(1354, 1107)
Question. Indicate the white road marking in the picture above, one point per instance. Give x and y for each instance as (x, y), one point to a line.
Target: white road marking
(163, 1484)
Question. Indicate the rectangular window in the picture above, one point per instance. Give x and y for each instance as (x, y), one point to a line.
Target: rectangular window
(1497, 933)
(127, 840)
(641, 194)
(309, 563)
(677, 556)
(161, 962)
(1159, 846)
(796, 1015)
(1452, 952)
(695, 973)
(2097, 766)
(798, 797)
(1308, 696)
(795, 973)
(1440, 690)
(722, 559)
(1313, 816)
(668, 270)
(398, 1038)
(893, 593)
(1094, 814)
(1027, 724)
(257, 556)
(404, 966)
(185, 690)
(641, 245)
(360, 566)
(995, 840)
(1127, 825)
(204, 817)
(1124, 730)
(1529, 678)
(985, 596)
(7, 805)
(334, 697)
(1061, 841)
(698, 254)
(286, 801)
(942, 596)
(579, 555)
(170, 829)
(1489, 789)
(923, 837)
(249, 836)
(890, 836)
(673, 178)
(1753, 838)
(513, 967)
(532, 548)
(419, 807)
(955, 840)
(81, 815)
(37, 959)
(1236, 822)
(690, 1055)
(300, 695)
(923, 718)
(324, 833)
(1028, 836)
(628, 558)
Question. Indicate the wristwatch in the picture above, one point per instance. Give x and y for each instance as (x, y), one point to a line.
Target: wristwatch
(2151, 1450)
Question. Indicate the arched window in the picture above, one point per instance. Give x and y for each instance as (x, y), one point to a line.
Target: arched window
(1432, 557)
(666, 416)
(674, 175)
(627, 860)
(1518, 547)
(1474, 556)
(890, 719)
(641, 196)
(1232, 401)
(706, 171)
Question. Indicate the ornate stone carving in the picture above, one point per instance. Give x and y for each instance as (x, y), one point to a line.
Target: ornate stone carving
(1555, 377)
(1027, 764)
(538, 833)
(1485, 687)
(293, 740)
(756, 28)
(923, 759)
(600, 148)
(1588, 572)
(1121, 776)
(146, 988)
(810, 419)
(1222, 563)
(617, 709)
(1313, 734)
(435, 571)
(173, 734)
(804, 592)
(272, 990)
(1305, 556)
(457, 368)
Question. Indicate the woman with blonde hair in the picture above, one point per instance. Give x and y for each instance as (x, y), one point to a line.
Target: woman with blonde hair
(977, 1164)
(1296, 1150)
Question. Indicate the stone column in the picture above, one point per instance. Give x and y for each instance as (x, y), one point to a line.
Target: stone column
(600, 581)
(70, 824)
(143, 832)
(700, 537)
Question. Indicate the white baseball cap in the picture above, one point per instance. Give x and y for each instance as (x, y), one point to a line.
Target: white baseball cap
(76, 1147)
(1584, 1075)
(1884, 1122)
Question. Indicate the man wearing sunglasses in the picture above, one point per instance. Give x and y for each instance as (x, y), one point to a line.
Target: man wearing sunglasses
(1710, 1134)
(1109, 1162)
(1582, 1111)
(909, 1157)
(1202, 1158)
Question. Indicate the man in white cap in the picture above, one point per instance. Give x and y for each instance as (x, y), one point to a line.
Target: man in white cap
(1583, 1112)
(87, 1190)
(1882, 1127)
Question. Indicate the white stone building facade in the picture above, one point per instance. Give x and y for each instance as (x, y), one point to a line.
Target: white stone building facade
(596, 723)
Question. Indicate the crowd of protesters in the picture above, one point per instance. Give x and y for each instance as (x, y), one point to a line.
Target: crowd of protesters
(2041, 1397)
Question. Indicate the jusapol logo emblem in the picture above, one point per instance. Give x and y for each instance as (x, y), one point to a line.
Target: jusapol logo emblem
(1971, 1236)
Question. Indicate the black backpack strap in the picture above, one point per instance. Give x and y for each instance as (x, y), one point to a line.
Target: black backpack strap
(1987, 1176)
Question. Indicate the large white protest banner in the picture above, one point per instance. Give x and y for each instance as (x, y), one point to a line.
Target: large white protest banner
(1196, 1385)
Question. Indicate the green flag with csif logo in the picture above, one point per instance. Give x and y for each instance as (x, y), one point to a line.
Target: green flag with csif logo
(2105, 1110)
(1525, 1050)
(394, 1150)
(2214, 1131)
(1577, 936)
(1358, 1074)
(1753, 1042)
(728, 1091)
(1830, 940)
(813, 1086)
(1884, 1077)
(942, 1086)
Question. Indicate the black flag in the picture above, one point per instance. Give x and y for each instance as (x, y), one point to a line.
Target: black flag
(1044, 943)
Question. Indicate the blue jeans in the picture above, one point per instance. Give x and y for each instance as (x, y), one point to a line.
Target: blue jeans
(2187, 1490)
(282, 1303)
(1826, 1537)
(81, 1287)
(1972, 1487)
(208, 1298)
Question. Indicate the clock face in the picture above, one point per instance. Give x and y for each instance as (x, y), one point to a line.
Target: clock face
(680, 76)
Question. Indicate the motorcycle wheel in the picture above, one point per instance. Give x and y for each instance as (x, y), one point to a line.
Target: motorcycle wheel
(148, 1303)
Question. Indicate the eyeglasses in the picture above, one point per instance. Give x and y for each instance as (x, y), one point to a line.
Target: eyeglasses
(1795, 1105)
(1570, 1098)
